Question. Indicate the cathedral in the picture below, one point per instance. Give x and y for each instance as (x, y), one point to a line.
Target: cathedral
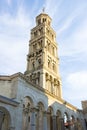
(33, 100)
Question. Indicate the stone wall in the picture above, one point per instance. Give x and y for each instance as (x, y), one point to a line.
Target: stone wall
(5, 88)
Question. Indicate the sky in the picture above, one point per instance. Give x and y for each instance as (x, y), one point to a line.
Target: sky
(69, 20)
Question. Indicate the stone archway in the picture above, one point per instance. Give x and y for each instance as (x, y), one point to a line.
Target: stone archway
(58, 119)
(5, 119)
(72, 122)
(66, 121)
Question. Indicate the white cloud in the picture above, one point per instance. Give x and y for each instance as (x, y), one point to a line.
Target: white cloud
(76, 87)
(14, 37)
(52, 7)
(13, 53)
(71, 28)
(19, 20)
(70, 16)
(76, 43)
(78, 80)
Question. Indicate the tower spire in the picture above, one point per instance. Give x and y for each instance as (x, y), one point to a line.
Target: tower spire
(43, 9)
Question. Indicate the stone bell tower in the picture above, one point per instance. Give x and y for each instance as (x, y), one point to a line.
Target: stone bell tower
(42, 59)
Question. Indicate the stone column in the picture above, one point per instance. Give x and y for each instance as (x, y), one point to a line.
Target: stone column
(25, 123)
(54, 122)
(58, 123)
(33, 119)
(45, 120)
(1, 119)
(40, 119)
(48, 120)
(62, 124)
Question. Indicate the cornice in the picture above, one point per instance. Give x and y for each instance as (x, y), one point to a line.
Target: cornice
(8, 101)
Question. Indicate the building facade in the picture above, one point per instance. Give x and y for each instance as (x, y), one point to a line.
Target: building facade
(33, 100)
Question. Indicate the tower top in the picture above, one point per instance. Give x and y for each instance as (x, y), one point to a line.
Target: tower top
(43, 18)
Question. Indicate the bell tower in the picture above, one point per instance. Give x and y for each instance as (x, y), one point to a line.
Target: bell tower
(42, 59)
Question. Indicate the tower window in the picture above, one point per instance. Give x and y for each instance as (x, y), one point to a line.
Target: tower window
(35, 33)
(38, 78)
(33, 64)
(39, 21)
(49, 64)
(44, 20)
(53, 50)
(39, 31)
(34, 47)
(54, 67)
(39, 61)
(48, 46)
(52, 36)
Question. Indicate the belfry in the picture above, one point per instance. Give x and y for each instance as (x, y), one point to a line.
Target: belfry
(42, 60)
(33, 100)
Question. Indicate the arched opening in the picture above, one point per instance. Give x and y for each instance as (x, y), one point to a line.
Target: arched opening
(39, 21)
(72, 122)
(53, 52)
(38, 78)
(58, 120)
(46, 79)
(54, 67)
(49, 46)
(33, 65)
(44, 20)
(5, 119)
(39, 61)
(49, 63)
(49, 118)
(66, 121)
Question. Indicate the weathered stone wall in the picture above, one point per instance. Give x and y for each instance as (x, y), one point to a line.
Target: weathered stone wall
(37, 105)
(5, 88)
(8, 88)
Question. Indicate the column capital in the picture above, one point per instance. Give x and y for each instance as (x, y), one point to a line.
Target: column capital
(34, 109)
(61, 118)
(26, 110)
(45, 113)
(54, 116)
(48, 113)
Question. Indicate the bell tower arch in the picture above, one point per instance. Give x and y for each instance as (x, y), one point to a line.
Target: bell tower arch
(42, 59)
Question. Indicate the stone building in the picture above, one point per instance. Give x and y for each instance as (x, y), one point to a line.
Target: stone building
(33, 100)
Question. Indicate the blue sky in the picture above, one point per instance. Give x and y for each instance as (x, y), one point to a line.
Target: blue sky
(69, 20)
